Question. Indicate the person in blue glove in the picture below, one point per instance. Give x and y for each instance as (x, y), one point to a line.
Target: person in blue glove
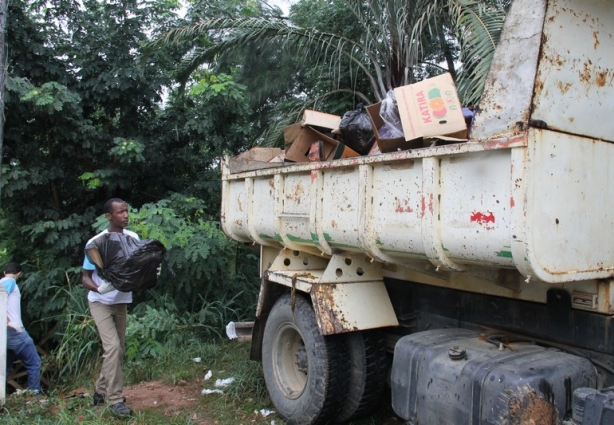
(19, 344)
(109, 308)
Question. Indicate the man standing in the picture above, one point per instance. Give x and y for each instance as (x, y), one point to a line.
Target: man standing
(108, 307)
(19, 344)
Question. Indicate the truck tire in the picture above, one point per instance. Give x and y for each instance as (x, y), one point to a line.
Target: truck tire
(368, 373)
(306, 373)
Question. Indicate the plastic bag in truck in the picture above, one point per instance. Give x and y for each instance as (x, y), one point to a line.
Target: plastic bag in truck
(357, 130)
(125, 262)
(389, 112)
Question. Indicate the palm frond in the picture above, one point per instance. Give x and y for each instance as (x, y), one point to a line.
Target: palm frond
(236, 33)
(396, 46)
(480, 28)
(477, 25)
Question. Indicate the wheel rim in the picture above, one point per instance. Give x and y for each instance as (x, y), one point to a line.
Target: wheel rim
(290, 361)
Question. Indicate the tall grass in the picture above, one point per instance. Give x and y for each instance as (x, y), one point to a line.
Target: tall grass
(163, 344)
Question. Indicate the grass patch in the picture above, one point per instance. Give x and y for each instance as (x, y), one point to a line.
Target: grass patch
(175, 367)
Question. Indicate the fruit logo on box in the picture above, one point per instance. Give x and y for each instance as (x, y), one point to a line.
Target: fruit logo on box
(434, 106)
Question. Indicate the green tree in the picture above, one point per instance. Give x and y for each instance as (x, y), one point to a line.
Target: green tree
(386, 44)
(90, 115)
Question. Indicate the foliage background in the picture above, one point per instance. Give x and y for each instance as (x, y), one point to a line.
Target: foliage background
(137, 99)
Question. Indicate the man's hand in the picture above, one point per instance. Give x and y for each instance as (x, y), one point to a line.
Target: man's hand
(159, 270)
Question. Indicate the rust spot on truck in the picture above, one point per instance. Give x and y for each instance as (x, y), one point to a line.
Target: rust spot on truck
(602, 79)
(526, 407)
(596, 37)
(296, 193)
(585, 74)
(563, 87)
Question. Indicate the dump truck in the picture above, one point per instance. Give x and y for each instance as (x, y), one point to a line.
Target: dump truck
(466, 283)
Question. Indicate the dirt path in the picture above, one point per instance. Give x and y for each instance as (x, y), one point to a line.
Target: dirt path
(155, 394)
(168, 399)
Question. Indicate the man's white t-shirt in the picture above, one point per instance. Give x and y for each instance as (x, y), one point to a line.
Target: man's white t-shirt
(115, 296)
(13, 303)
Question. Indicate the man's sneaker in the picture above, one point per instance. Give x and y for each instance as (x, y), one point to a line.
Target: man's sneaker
(98, 399)
(120, 409)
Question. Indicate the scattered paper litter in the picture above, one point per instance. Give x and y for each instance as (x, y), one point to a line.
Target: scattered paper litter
(264, 412)
(208, 375)
(224, 382)
(231, 330)
(196, 359)
(208, 391)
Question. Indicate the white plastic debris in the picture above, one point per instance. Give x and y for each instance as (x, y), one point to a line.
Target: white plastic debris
(208, 375)
(231, 330)
(221, 383)
(208, 391)
(196, 359)
(264, 412)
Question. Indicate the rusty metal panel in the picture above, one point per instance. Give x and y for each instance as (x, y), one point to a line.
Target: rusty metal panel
(474, 223)
(394, 205)
(346, 307)
(574, 92)
(339, 212)
(262, 195)
(234, 210)
(505, 104)
(293, 210)
(569, 211)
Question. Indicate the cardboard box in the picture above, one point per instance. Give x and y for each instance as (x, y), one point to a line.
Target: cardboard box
(298, 150)
(387, 145)
(256, 159)
(430, 108)
(321, 120)
(291, 133)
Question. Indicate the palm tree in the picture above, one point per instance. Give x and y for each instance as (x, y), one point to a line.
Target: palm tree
(400, 41)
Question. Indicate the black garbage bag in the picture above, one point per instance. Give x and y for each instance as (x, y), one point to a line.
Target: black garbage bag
(357, 130)
(127, 263)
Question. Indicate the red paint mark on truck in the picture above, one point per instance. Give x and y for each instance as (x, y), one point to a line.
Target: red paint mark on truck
(512, 203)
(403, 208)
(481, 218)
(423, 205)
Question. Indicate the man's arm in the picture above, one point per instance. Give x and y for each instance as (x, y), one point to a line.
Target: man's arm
(87, 280)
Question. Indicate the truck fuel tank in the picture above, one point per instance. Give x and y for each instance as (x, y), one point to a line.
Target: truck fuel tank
(460, 376)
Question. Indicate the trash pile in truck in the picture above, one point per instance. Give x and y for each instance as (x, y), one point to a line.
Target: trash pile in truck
(410, 117)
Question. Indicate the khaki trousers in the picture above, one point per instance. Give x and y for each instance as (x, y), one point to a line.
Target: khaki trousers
(111, 323)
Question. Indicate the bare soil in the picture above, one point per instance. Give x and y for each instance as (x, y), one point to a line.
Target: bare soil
(168, 399)
(157, 395)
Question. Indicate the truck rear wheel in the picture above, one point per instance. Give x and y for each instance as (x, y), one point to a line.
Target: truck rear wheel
(306, 373)
(368, 370)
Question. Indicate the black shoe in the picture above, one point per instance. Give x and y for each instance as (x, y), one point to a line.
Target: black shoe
(98, 399)
(120, 409)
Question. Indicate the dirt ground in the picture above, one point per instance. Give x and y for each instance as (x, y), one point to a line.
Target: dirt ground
(169, 399)
(156, 394)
